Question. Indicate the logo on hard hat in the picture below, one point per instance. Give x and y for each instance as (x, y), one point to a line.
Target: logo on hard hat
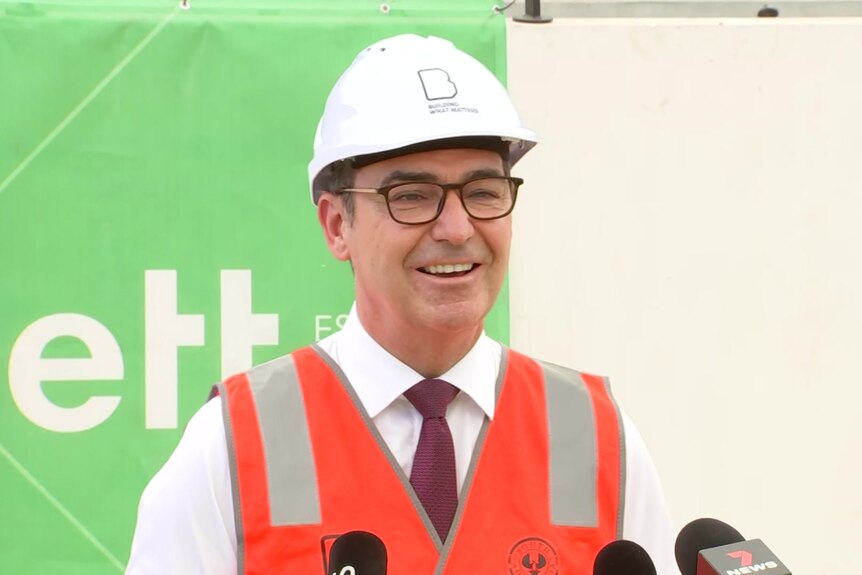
(437, 84)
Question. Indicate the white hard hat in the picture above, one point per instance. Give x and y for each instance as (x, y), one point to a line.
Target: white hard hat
(407, 90)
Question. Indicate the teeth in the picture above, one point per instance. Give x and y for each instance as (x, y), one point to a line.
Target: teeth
(448, 268)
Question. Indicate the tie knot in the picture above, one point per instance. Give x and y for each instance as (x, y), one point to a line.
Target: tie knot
(431, 397)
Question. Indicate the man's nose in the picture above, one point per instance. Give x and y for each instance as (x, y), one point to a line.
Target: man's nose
(454, 223)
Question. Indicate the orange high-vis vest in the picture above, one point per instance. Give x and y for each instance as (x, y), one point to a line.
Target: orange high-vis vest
(544, 492)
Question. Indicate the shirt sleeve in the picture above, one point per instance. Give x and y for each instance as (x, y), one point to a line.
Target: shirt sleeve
(185, 516)
(646, 519)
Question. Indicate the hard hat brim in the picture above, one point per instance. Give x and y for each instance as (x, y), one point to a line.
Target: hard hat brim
(511, 149)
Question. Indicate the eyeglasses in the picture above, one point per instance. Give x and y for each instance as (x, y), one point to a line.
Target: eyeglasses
(415, 203)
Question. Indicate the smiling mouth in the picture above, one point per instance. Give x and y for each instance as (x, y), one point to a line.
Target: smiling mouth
(448, 270)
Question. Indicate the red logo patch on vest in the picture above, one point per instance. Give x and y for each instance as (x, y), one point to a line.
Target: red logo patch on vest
(533, 556)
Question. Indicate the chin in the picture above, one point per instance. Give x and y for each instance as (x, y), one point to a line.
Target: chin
(455, 318)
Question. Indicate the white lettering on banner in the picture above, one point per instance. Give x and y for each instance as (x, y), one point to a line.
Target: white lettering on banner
(27, 371)
(323, 325)
(241, 329)
(164, 332)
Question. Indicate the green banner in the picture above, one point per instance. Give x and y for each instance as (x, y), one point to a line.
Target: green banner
(158, 234)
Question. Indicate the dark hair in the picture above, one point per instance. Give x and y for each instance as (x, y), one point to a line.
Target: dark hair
(341, 174)
(337, 176)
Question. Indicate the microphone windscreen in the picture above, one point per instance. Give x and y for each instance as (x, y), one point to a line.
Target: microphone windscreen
(700, 534)
(623, 558)
(362, 551)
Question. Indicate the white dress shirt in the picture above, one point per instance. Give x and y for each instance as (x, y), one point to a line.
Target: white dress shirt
(185, 517)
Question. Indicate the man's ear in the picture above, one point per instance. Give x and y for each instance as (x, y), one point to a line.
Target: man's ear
(333, 220)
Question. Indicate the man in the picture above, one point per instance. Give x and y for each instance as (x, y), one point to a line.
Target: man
(411, 424)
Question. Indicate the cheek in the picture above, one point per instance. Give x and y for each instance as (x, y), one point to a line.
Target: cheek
(382, 253)
(499, 241)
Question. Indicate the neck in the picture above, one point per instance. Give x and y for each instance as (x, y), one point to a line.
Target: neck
(428, 352)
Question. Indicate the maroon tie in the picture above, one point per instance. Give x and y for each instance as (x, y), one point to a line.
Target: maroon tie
(433, 475)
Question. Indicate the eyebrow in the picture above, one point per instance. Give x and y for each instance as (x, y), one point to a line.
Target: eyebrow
(407, 176)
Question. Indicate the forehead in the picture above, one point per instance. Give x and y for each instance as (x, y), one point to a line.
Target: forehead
(450, 165)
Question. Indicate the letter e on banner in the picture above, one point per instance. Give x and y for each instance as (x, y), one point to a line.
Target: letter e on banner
(28, 369)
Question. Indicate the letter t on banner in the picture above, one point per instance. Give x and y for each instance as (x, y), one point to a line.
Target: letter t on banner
(165, 331)
(241, 329)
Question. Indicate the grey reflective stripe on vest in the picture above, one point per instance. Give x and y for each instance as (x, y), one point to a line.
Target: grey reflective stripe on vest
(621, 497)
(573, 448)
(291, 476)
(234, 478)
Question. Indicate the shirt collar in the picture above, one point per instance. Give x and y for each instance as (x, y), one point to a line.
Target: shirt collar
(379, 378)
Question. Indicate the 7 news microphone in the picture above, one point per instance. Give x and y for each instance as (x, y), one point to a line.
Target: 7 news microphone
(357, 553)
(623, 557)
(712, 547)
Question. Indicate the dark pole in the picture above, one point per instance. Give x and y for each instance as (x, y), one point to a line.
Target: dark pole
(532, 13)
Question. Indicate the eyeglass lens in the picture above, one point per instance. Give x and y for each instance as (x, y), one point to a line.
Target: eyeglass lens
(419, 202)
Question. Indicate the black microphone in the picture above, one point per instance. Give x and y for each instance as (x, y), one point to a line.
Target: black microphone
(712, 547)
(623, 557)
(357, 553)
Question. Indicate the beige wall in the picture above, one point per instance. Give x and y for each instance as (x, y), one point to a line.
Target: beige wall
(690, 226)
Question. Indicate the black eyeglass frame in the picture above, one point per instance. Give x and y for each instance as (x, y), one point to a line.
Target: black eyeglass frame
(384, 191)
